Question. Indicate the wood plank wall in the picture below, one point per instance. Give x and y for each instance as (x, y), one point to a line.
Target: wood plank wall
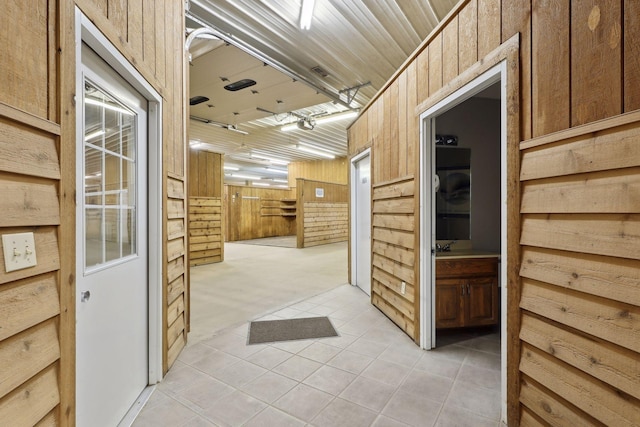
(206, 188)
(321, 220)
(393, 253)
(254, 213)
(206, 245)
(580, 274)
(578, 65)
(335, 170)
(37, 180)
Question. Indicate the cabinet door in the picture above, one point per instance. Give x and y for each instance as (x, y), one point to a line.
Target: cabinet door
(449, 303)
(481, 302)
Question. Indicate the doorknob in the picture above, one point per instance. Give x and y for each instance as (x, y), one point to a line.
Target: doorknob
(84, 296)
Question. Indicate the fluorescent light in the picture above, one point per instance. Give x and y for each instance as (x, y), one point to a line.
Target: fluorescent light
(277, 171)
(261, 184)
(231, 168)
(106, 105)
(284, 181)
(270, 159)
(289, 127)
(306, 14)
(235, 175)
(326, 119)
(316, 152)
(281, 186)
(313, 147)
(235, 129)
(93, 135)
(338, 116)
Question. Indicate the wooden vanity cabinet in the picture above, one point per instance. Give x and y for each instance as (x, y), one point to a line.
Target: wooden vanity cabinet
(467, 292)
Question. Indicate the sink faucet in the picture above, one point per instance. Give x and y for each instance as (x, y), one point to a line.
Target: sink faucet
(444, 248)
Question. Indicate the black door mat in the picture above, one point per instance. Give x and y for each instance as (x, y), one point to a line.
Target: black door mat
(290, 329)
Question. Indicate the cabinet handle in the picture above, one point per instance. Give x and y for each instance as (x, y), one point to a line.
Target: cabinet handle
(468, 289)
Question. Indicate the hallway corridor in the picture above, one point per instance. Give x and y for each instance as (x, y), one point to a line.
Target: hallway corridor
(372, 374)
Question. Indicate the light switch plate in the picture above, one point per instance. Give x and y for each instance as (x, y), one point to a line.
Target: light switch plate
(19, 251)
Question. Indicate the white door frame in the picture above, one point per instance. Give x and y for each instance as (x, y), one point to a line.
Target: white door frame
(355, 159)
(495, 74)
(498, 73)
(88, 33)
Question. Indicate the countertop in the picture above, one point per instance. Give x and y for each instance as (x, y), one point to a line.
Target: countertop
(466, 253)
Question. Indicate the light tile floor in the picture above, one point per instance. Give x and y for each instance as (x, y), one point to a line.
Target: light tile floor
(371, 375)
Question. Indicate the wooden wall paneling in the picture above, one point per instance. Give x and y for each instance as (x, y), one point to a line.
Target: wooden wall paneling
(587, 312)
(393, 142)
(421, 66)
(24, 355)
(28, 302)
(413, 126)
(468, 35)
(393, 259)
(608, 277)
(631, 58)
(336, 170)
(149, 34)
(403, 124)
(489, 26)
(117, 12)
(28, 150)
(550, 67)
(450, 50)
(596, 60)
(600, 192)
(575, 155)
(135, 34)
(583, 391)
(32, 401)
(516, 19)
(28, 201)
(435, 64)
(551, 408)
(24, 79)
(205, 230)
(606, 234)
(609, 363)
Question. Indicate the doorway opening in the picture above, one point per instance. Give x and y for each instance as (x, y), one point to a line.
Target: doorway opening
(463, 172)
(118, 229)
(361, 221)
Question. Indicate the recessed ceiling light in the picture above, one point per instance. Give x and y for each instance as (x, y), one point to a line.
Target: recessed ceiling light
(195, 100)
(240, 84)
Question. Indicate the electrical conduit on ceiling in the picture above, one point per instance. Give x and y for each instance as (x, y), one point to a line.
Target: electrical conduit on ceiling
(209, 28)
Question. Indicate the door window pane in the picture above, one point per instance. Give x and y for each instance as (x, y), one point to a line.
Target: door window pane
(110, 198)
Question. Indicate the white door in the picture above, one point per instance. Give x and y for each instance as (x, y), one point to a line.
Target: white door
(362, 220)
(112, 261)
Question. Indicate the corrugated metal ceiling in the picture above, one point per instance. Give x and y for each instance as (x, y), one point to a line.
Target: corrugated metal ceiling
(354, 41)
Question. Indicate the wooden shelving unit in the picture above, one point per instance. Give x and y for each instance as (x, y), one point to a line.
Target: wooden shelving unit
(288, 207)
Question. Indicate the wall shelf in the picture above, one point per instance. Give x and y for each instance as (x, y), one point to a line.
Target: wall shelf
(288, 208)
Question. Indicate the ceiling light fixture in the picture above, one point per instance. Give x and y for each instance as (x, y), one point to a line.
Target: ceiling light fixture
(309, 124)
(235, 175)
(315, 147)
(231, 168)
(283, 181)
(270, 159)
(261, 184)
(234, 128)
(277, 171)
(338, 116)
(306, 13)
(316, 152)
